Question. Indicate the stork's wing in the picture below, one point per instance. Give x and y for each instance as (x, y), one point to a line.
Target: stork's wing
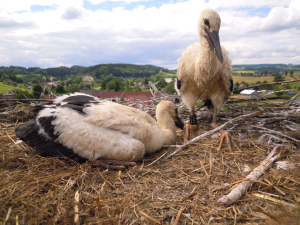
(128, 120)
(31, 133)
(186, 63)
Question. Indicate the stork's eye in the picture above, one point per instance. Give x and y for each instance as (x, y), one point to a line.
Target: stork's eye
(206, 22)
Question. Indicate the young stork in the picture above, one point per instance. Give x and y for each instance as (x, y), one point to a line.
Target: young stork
(83, 128)
(205, 72)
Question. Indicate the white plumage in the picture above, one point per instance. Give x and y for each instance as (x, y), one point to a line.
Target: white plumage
(94, 129)
(204, 69)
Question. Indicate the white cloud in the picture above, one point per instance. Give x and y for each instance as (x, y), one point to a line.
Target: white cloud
(72, 13)
(95, 2)
(69, 34)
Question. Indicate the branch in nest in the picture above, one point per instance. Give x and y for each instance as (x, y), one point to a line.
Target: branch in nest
(238, 191)
(215, 130)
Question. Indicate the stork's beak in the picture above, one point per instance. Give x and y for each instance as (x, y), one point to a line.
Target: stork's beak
(214, 42)
(178, 121)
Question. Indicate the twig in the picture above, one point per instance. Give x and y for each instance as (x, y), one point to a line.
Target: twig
(76, 209)
(150, 218)
(275, 132)
(156, 159)
(239, 190)
(7, 215)
(215, 130)
(175, 222)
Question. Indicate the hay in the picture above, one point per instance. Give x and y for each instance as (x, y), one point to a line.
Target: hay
(38, 190)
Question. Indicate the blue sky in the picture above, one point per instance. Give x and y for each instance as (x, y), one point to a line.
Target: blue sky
(53, 33)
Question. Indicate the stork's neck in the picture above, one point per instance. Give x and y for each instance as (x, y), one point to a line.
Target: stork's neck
(206, 52)
(167, 126)
(207, 66)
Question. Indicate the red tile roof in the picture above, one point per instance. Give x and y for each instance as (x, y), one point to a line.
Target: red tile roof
(49, 97)
(139, 95)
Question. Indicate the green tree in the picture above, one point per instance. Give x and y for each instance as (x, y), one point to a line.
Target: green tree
(46, 92)
(162, 83)
(122, 99)
(103, 85)
(146, 81)
(170, 87)
(278, 78)
(258, 82)
(37, 90)
(276, 88)
(237, 84)
(60, 89)
(286, 73)
(73, 88)
(287, 86)
(20, 95)
(34, 81)
(137, 88)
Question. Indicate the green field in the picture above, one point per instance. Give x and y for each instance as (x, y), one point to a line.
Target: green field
(244, 71)
(4, 88)
(251, 79)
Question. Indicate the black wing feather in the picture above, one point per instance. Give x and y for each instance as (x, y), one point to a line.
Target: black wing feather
(231, 85)
(178, 84)
(28, 132)
(79, 99)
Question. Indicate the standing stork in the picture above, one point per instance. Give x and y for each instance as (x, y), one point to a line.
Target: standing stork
(205, 72)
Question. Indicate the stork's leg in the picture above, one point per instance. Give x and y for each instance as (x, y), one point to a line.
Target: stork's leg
(111, 164)
(224, 134)
(188, 129)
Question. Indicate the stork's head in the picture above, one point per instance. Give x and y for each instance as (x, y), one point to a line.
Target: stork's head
(209, 23)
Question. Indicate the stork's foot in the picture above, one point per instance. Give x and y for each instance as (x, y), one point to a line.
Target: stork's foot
(111, 164)
(229, 140)
(188, 131)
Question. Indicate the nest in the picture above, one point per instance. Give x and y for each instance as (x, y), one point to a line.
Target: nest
(45, 190)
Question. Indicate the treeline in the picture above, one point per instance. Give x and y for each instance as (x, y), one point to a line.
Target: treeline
(12, 77)
(264, 67)
(116, 70)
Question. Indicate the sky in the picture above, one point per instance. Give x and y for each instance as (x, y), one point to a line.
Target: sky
(52, 33)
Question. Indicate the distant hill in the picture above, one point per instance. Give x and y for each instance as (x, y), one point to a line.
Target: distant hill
(273, 67)
(118, 70)
(126, 70)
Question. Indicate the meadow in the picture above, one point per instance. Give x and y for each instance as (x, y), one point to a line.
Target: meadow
(244, 71)
(253, 80)
(4, 88)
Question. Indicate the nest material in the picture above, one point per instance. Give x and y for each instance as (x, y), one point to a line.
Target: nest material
(39, 190)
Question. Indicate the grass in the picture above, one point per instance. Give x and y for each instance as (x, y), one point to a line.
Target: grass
(4, 88)
(251, 79)
(244, 71)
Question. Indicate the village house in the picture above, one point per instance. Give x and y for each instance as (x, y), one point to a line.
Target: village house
(95, 92)
(9, 95)
(54, 83)
(87, 78)
(242, 86)
(249, 93)
(49, 96)
(145, 86)
(127, 95)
